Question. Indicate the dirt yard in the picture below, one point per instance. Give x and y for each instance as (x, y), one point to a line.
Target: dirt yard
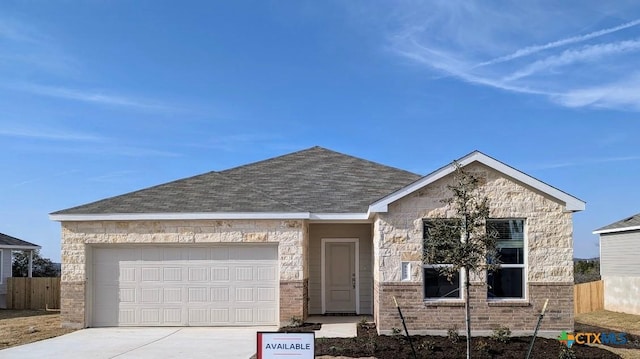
(19, 327)
(622, 322)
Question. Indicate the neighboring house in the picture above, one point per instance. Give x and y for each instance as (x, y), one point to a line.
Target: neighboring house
(9, 244)
(619, 265)
(312, 232)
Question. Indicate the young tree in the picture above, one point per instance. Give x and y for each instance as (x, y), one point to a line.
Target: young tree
(42, 267)
(463, 242)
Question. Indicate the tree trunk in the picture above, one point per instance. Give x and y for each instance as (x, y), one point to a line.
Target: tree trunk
(467, 311)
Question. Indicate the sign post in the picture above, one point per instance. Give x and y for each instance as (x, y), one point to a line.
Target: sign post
(275, 345)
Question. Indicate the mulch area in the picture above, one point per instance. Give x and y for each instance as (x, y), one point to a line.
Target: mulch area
(369, 344)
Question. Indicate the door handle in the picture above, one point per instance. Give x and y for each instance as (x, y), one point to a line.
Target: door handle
(353, 280)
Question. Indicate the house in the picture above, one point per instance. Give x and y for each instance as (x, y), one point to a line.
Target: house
(619, 266)
(312, 232)
(8, 244)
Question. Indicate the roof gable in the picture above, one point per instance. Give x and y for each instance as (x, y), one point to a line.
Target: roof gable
(7, 241)
(628, 224)
(571, 203)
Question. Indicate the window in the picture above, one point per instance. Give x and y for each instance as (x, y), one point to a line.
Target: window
(436, 284)
(508, 280)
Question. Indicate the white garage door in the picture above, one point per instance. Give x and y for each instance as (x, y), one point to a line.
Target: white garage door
(185, 286)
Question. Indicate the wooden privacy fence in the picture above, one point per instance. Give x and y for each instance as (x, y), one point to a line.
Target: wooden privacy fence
(588, 297)
(33, 293)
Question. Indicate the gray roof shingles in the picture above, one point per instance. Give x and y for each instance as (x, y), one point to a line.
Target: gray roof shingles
(6, 240)
(314, 180)
(633, 221)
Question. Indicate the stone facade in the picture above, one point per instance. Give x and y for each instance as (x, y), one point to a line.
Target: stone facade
(398, 234)
(292, 237)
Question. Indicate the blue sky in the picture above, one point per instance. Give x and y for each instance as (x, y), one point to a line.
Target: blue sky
(99, 98)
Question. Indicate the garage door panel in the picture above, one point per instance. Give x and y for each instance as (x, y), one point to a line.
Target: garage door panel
(127, 295)
(266, 273)
(244, 273)
(172, 316)
(197, 295)
(220, 294)
(244, 315)
(244, 295)
(150, 316)
(127, 316)
(172, 274)
(173, 295)
(150, 274)
(199, 274)
(220, 316)
(181, 286)
(220, 274)
(127, 274)
(266, 294)
(265, 315)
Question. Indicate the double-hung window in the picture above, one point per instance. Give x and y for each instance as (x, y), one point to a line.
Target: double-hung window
(436, 284)
(508, 281)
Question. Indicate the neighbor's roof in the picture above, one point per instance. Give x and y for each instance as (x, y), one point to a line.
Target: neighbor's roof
(627, 224)
(314, 180)
(13, 242)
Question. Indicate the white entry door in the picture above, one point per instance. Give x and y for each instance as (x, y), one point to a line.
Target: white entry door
(146, 285)
(340, 277)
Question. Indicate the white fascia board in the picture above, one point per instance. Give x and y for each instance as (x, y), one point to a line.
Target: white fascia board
(214, 215)
(614, 230)
(19, 248)
(571, 203)
(177, 216)
(339, 216)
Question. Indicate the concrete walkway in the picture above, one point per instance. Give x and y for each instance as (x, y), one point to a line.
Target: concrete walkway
(337, 326)
(144, 343)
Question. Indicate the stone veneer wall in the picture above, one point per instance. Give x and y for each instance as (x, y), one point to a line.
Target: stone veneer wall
(292, 237)
(548, 265)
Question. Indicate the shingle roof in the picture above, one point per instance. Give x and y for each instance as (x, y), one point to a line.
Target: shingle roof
(633, 221)
(6, 240)
(315, 180)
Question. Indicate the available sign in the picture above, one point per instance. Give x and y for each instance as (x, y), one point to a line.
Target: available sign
(274, 345)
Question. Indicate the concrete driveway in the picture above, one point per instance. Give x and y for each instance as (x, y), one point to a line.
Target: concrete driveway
(154, 343)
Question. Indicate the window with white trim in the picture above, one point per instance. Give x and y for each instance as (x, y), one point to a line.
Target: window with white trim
(508, 281)
(436, 284)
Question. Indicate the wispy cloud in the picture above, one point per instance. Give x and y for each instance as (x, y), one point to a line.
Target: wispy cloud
(25, 48)
(49, 134)
(95, 150)
(48, 177)
(530, 50)
(584, 162)
(116, 176)
(587, 54)
(93, 96)
(526, 48)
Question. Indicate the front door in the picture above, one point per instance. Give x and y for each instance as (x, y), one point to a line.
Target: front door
(340, 277)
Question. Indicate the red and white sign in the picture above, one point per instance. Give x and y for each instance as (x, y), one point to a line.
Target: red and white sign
(273, 345)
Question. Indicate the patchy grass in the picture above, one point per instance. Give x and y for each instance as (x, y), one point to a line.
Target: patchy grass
(19, 327)
(621, 322)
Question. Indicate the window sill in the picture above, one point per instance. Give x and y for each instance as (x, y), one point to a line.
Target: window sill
(508, 303)
(444, 303)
